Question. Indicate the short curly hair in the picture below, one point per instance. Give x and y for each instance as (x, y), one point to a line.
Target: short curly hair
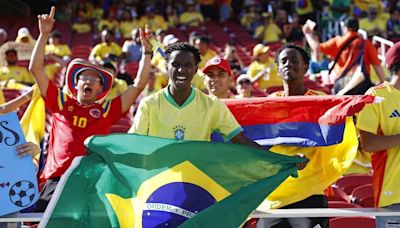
(305, 56)
(183, 46)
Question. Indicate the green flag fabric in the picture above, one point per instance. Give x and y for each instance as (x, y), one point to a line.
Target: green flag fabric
(139, 181)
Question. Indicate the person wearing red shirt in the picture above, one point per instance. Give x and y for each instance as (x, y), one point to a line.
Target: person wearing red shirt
(85, 113)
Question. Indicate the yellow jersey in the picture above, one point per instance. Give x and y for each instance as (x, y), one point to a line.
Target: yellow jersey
(384, 119)
(268, 81)
(200, 115)
(101, 50)
(16, 73)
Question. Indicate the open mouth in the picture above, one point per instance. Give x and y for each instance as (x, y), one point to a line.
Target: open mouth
(180, 79)
(87, 91)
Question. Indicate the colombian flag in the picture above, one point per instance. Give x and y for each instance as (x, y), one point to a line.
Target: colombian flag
(320, 127)
(140, 181)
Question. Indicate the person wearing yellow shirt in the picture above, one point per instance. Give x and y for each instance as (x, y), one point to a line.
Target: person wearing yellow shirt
(263, 69)
(372, 24)
(57, 53)
(152, 19)
(24, 36)
(203, 44)
(119, 86)
(106, 50)
(127, 24)
(379, 128)
(191, 18)
(13, 72)
(80, 25)
(108, 22)
(268, 32)
(251, 18)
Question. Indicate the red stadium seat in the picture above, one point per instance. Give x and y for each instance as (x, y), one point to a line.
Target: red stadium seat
(352, 222)
(339, 195)
(81, 51)
(364, 195)
(132, 68)
(350, 182)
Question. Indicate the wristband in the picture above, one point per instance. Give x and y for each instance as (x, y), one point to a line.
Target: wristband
(148, 53)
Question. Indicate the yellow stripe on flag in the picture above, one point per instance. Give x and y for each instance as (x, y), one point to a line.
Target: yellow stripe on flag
(326, 165)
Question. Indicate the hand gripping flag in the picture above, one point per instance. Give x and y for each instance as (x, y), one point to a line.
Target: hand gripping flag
(140, 181)
(320, 127)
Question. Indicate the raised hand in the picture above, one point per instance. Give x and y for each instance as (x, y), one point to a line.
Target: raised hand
(145, 37)
(46, 21)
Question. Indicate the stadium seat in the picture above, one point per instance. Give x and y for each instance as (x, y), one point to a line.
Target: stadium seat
(342, 204)
(339, 195)
(363, 195)
(350, 182)
(352, 222)
(81, 51)
(132, 68)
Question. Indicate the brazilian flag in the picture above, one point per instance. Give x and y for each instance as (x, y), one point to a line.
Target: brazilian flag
(139, 181)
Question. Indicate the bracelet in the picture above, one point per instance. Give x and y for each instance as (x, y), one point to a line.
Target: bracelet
(148, 53)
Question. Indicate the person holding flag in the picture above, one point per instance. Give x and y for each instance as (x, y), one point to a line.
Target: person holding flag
(188, 113)
(85, 113)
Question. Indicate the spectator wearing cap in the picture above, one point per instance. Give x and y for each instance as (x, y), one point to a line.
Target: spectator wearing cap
(263, 69)
(373, 24)
(244, 87)
(14, 73)
(57, 53)
(3, 36)
(119, 86)
(346, 65)
(218, 77)
(379, 128)
(203, 44)
(127, 24)
(154, 20)
(191, 17)
(107, 50)
(85, 112)
(24, 36)
(268, 32)
(132, 49)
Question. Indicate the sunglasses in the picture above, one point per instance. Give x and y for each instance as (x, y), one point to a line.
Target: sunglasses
(89, 78)
(242, 82)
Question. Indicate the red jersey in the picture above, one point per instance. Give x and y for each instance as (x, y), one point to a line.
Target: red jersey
(71, 124)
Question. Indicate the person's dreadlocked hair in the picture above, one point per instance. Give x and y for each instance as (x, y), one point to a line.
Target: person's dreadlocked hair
(182, 46)
(303, 53)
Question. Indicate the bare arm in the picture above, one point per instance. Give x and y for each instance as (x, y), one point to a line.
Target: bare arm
(375, 143)
(36, 65)
(311, 40)
(379, 71)
(16, 103)
(129, 96)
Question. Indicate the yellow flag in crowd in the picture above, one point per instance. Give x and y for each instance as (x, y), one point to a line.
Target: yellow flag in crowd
(34, 119)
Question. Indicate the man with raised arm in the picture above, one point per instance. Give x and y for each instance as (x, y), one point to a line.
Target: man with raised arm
(85, 112)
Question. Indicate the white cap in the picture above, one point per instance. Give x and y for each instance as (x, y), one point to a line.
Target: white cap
(169, 39)
(24, 31)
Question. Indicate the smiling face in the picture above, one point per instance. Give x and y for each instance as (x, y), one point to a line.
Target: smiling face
(88, 86)
(181, 68)
(217, 81)
(291, 66)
